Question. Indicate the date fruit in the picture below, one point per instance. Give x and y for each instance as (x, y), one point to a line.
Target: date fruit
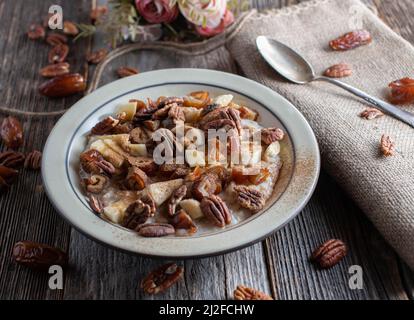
(38, 255)
(54, 70)
(11, 159)
(351, 40)
(11, 132)
(58, 53)
(64, 85)
(126, 72)
(162, 278)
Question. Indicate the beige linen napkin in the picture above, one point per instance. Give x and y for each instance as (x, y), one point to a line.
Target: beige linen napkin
(383, 187)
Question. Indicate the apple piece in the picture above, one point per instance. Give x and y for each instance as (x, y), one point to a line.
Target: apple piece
(272, 152)
(195, 158)
(223, 100)
(161, 191)
(129, 109)
(192, 207)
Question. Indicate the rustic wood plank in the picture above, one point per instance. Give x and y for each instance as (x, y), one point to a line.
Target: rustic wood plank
(26, 211)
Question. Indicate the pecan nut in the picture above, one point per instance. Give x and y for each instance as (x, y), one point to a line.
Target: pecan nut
(151, 125)
(92, 161)
(155, 230)
(38, 255)
(33, 160)
(169, 101)
(11, 159)
(138, 212)
(387, 146)
(55, 39)
(216, 210)
(70, 28)
(105, 126)
(58, 53)
(136, 179)
(176, 113)
(246, 293)
(340, 70)
(175, 198)
(329, 253)
(162, 278)
(139, 135)
(36, 31)
(270, 135)
(11, 132)
(223, 113)
(250, 198)
(371, 113)
(126, 72)
(147, 165)
(95, 204)
(64, 85)
(96, 183)
(56, 69)
(97, 56)
(183, 221)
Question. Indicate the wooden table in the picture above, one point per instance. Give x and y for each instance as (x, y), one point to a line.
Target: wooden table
(279, 265)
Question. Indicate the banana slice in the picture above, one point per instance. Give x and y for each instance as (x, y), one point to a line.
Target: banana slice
(272, 152)
(223, 100)
(195, 158)
(191, 114)
(251, 153)
(192, 207)
(115, 212)
(129, 109)
(161, 191)
(194, 137)
(110, 155)
(138, 150)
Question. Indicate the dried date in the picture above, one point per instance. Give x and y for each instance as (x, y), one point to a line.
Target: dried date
(55, 39)
(123, 72)
(402, 91)
(64, 85)
(12, 159)
(351, 40)
(105, 126)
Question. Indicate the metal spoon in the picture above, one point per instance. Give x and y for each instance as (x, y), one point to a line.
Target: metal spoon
(292, 66)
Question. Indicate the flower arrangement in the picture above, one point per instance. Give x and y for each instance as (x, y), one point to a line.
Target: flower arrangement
(173, 20)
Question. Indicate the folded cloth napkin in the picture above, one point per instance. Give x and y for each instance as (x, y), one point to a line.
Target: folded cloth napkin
(382, 186)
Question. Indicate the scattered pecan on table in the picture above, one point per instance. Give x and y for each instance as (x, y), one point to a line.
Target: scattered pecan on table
(33, 160)
(55, 69)
(340, 70)
(55, 39)
(371, 113)
(11, 132)
(58, 53)
(246, 293)
(97, 56)
(162, 278)
(12, 159)
(329, 253)
(123, 72)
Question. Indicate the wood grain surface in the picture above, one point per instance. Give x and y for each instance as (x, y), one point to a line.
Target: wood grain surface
(279, 265)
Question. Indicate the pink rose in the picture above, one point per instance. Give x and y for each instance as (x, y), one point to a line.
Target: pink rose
(227, 20)
(157, 11)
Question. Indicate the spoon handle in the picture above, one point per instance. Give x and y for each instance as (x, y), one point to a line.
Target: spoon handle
(397, 113)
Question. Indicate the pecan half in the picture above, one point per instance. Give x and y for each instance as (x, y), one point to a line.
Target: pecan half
(351, 40)
(136, 179)
(11, 159)
(11, 132)
(33, 160)
(162, 278)
(138, 212)
(270, 135)
(97, 56)
(162, 113)
(105, 126)
(175, 198)
(139, 135)
(215, 209)
(56, 69)
(371, 113)
(95, 204)
(176, 113)
(70, 28)
(246, 293)
(92, 161)
(152, 125)
(38, 255)
(250, 198)
(183, 221)
(340, 70)
(123, 72)
(64, 85)
(208, 184)
(58, 53)
(55, 39)
(387, 146)
(168, 101)
(329, 253)
(231, 115)
(36, 31)
(96, 183)
(147, 165)
(7, 176)
(155, 230)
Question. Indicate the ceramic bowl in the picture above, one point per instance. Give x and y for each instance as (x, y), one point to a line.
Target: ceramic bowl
(298, 178)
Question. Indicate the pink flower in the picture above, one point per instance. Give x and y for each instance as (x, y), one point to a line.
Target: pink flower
(157, 11)
(227, 20)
